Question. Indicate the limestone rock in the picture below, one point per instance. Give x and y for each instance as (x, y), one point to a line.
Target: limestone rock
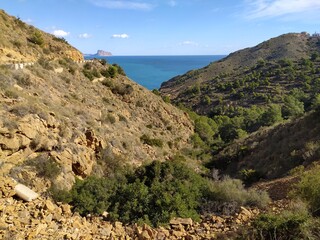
(25, 193)
(183, 221)
(50, 206)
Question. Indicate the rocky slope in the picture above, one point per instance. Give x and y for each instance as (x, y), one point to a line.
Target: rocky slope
(245, 77)
(80, 117)
(20, 42)
(74, 120)
(44, 219)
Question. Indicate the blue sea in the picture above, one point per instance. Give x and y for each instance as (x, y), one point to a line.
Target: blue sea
(151, 71)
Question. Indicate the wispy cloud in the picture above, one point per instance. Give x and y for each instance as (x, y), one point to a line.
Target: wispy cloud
(121, 4)
(84, 35)
(276, 8)
(189, 43)
(172, 3)
(60, 33)
(123, 35)
(28, 20)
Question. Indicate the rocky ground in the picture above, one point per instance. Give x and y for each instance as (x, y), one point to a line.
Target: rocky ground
(44, 219)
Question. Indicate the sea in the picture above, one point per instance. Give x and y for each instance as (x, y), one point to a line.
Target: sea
(151, 71)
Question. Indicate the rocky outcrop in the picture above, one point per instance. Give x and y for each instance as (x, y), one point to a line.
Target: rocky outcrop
(100, 53)
(44, 219)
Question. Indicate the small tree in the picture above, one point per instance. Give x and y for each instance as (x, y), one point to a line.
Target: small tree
(272, 115)
(292, 107)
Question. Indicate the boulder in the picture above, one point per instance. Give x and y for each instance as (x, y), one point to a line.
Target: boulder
(25, 193)
(182, 221)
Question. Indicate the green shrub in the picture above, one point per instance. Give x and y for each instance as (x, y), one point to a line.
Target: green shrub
(11, 94)
(108, 118)
(103, 62)
(23, 80)
(122, 89)
(37, 38)
(45, 63)
(250, 176)
(153, 193)
(119, 69)
(122, 118)
(60, 39)
(308, 189)
(292, 224)
(105, 73)
(108, 83)
(272, 115)
(151, 141)
(45, 166)
(292, 107)
(232, 191)
(112, 70)
(96, 73)
(156, 92)
(157, 192)
(17, 44)
(88, 74)
(166, 99)
(92, 195)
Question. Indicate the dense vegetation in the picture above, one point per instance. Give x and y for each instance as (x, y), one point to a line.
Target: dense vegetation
(262, 95)
(157, 192)
(300, 220)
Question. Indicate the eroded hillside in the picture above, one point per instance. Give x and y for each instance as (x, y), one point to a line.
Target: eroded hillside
(54, 110)
(20, 42)
(80, 118)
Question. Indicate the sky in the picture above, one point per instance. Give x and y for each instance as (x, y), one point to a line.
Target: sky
(167, 27)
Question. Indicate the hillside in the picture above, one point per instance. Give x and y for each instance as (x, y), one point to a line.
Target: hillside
(253, 76)
(104, 158)
(272, 152)
(84, 117)
(20, 42)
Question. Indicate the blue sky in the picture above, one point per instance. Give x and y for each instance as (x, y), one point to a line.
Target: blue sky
(167, 27)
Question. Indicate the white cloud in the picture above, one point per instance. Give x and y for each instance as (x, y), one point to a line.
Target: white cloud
(120, 4)
(172, 3)
(60, 33)
(189, 43)
(276, 8)
(84, 35)
(123, 35)
(28, 20)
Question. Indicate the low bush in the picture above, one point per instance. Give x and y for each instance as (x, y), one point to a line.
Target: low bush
(108, 83)
(60, 39)
(151, 141)
(45, 63)
(249, 176)
(23, 80)
(122, 89)
(227, 195)
(294, 223)
(308, 189)
(37, 38)
(153, 193)
(45, 166)
(108, 118)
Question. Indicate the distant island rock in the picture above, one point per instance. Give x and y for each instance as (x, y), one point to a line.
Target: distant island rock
(100, 53)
